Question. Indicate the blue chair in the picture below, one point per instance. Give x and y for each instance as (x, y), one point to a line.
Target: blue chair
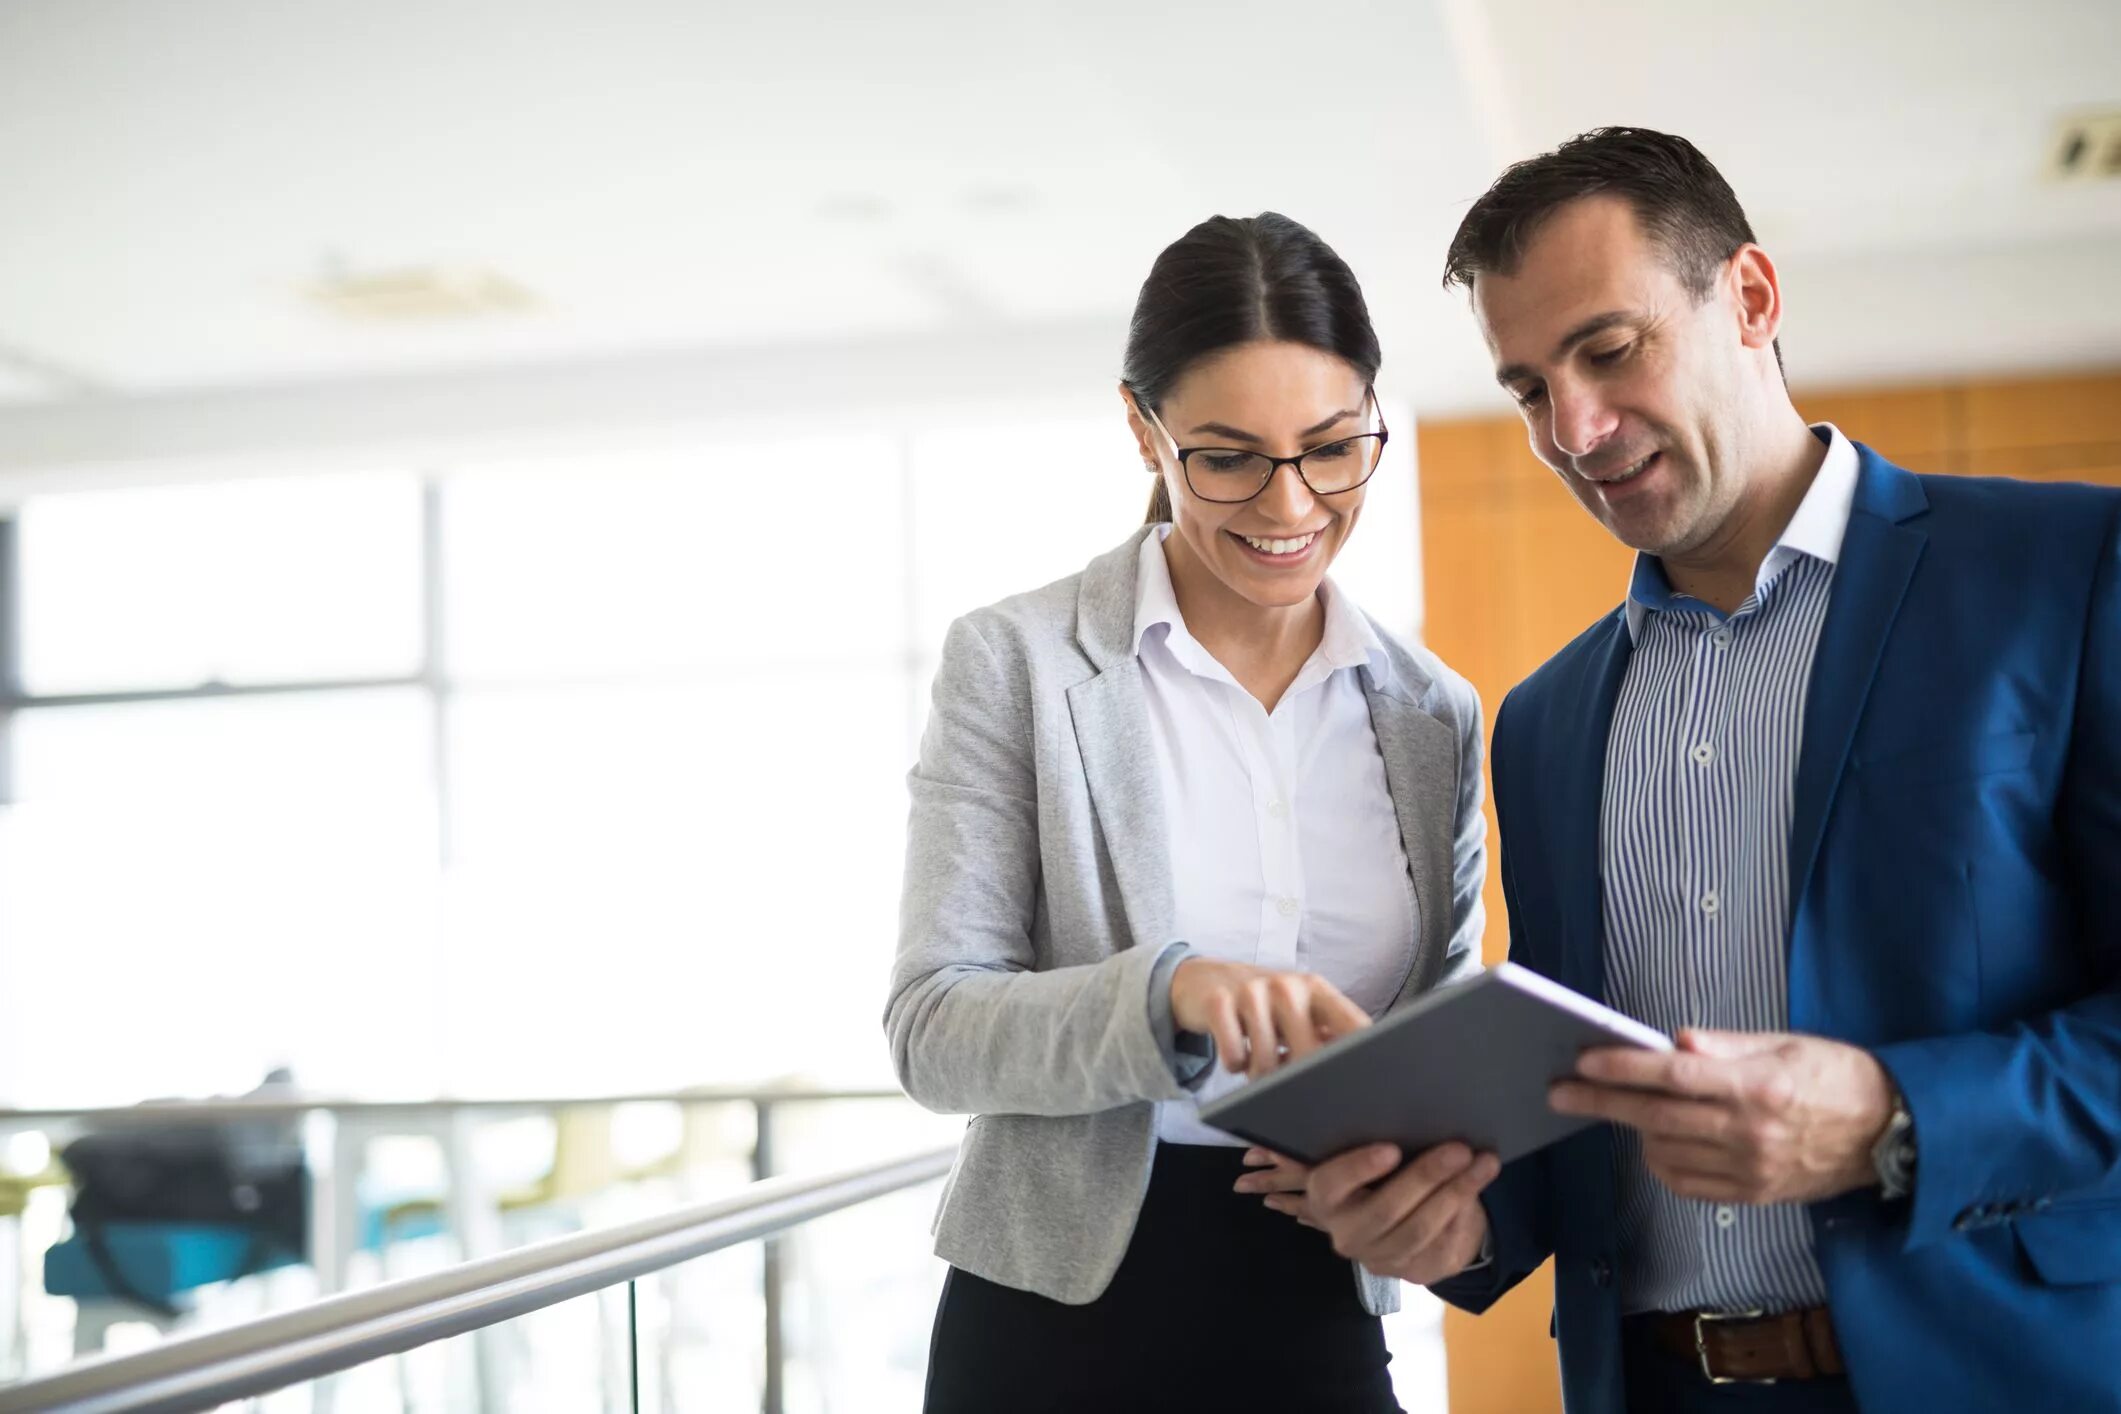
(163, 1262)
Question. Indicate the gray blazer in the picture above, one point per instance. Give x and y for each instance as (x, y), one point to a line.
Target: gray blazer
(1038, 905)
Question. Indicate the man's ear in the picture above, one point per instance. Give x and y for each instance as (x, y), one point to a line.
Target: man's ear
(1756, 290)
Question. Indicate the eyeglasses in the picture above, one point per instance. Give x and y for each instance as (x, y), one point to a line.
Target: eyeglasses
(1231, 475)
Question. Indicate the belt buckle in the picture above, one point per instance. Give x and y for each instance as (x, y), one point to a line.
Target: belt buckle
(1701, 1345)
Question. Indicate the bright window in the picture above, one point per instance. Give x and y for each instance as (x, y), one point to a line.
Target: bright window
(193, 891)
(785, 551)
(639, 823)
(243, 582)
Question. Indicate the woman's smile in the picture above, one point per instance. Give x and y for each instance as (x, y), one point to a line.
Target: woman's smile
(1278, 551)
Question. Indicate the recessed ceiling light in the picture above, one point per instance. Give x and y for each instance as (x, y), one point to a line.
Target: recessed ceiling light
(855, 206)
(999, 197)
(417, 294)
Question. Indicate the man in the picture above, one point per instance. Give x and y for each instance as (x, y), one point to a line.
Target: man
(1835, 797)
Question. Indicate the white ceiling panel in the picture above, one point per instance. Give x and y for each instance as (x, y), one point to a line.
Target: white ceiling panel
(667, 178)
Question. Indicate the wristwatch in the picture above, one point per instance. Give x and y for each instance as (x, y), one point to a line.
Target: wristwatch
(1893, 1155)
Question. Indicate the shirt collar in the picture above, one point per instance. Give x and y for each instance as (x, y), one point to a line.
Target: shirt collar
(1817, 529)
(1349, 641)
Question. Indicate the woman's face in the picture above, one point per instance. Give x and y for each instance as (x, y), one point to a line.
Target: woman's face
(1272, 397)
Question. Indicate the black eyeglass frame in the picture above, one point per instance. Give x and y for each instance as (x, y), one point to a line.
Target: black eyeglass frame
(1382, 435)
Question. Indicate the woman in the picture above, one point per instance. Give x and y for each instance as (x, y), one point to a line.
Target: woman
(1187, 804)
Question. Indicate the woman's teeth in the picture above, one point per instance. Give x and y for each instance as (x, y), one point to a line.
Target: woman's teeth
(1279, 547)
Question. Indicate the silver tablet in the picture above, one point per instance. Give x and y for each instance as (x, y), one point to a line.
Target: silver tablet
(1470, 1062)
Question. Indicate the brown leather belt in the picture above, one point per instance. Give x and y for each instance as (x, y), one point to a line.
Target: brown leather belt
(1747, 1346)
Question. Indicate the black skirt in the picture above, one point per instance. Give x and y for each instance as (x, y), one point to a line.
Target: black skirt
(1220, 1303)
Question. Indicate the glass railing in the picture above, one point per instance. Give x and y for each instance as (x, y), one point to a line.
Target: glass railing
(831, 1312)
(645, 1314)
(404, 1190)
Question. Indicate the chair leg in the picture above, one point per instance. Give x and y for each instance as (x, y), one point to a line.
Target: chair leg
(13, 1358)
(93, 1319)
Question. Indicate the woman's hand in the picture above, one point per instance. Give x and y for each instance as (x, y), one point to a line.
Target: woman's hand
(1259, 1017)
(1281, 1179)
(1418, 1219)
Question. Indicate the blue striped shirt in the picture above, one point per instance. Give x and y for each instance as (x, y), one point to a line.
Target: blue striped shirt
(1694, 839)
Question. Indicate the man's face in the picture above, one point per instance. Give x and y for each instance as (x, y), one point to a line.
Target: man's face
(1630, 387)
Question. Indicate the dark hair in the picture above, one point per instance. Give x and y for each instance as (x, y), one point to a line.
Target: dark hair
(1230, 281)
(1680, 200)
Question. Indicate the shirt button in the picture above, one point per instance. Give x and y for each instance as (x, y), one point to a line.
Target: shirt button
(1277, 810)
(1721, 638)
(1703, 754)
(1725, 1217)
(1287, 907)
(1709, 902)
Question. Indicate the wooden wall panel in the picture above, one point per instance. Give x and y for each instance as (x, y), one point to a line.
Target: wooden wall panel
(1514, 569)
(1569, 573)
(2099, 465)
(2081, 411)
(1457, 460)
(1472, 626)
(2049, 429)
(1503, 1361)
(1913, 426)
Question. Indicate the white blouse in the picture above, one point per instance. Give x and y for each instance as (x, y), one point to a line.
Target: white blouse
(1285, 848)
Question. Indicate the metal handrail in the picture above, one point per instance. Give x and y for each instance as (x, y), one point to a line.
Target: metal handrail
(341, 1332)
(161, 1113)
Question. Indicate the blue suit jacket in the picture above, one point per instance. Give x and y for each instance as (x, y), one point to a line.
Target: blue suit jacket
(1956, 876)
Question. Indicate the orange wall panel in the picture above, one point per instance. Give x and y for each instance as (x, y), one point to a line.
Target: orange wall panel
(1503, 1361)
(2083, 411)
(1913, 426)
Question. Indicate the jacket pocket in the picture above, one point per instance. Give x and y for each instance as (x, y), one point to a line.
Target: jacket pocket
(1946, 760)
(2074, 1245)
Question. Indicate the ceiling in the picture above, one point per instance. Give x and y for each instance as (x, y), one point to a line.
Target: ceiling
(687, 181)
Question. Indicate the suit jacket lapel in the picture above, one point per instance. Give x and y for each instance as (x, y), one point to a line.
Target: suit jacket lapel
(1878, 558)
(1421, 771)
(1119, 763)
(1578, 800)
(1111, 719)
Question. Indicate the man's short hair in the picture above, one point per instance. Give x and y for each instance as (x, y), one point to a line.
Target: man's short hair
(1680, 200)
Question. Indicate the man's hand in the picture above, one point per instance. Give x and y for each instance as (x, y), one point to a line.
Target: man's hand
(1742, 1117)
(1422, 1223)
